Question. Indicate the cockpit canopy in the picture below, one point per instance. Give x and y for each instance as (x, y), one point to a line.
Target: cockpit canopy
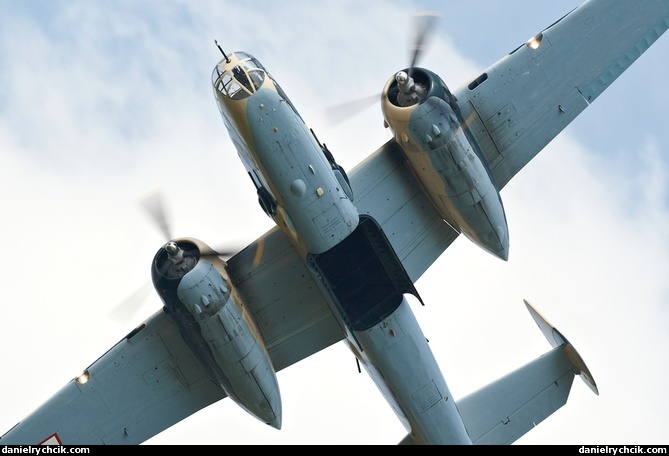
(239, 76)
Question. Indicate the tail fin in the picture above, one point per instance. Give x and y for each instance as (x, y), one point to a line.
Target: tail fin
(505, 410)
(556, 339)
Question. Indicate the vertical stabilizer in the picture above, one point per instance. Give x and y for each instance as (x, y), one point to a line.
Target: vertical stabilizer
(555, 338)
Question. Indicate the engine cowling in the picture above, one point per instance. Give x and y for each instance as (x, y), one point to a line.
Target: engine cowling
(193, 283)
(425, 119)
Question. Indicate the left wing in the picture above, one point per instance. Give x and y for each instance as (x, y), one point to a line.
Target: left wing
(519, 104)
(151, 380)
(126, 396)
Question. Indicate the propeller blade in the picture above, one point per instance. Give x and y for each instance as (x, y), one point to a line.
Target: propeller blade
(153, 204)
(126, 310)
(334, 115)
(424, 27)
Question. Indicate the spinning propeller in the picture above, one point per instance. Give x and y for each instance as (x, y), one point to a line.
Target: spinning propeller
(153, 204)
(424, 29)
(424, 23)
(155, 208)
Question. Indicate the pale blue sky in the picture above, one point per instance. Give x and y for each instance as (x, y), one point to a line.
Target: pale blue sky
(100, 103)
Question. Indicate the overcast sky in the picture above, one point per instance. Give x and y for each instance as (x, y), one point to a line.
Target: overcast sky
(101, 103)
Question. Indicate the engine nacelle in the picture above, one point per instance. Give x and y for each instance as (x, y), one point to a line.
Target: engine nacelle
(193, 283)
(426, 122)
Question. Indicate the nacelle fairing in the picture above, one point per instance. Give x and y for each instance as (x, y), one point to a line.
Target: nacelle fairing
(298, 183)
(426, 121)
(197, 292)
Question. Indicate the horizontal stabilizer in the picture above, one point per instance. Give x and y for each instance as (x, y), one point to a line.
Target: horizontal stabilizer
(504, 410)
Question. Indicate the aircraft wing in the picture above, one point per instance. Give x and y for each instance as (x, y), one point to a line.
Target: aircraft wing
(519, 104)
(128, 389)
(150, 379)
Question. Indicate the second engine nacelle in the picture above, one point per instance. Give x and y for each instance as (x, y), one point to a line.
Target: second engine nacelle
(194, 285)
(425, 120)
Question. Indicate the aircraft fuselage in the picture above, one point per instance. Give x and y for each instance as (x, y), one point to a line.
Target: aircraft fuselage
(294, 179)
(301, 187)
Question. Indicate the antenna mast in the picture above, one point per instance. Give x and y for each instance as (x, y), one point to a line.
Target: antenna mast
(227, 59)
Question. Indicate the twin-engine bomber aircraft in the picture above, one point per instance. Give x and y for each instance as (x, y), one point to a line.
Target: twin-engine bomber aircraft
(348, 247)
